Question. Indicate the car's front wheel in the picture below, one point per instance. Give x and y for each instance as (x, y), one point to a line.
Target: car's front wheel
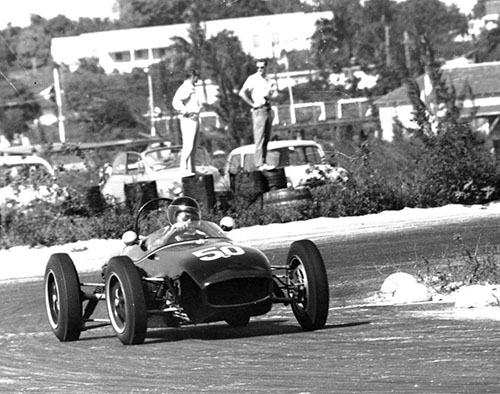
(238, 319)
(62, 297)
(125, 300)
(308, 285)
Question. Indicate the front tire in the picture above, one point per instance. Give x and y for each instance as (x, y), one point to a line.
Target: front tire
(238, 319)
(309, 285)
(62, 297)
(125, 301)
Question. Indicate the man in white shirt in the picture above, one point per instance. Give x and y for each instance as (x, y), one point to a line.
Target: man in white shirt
(256, 92)
(186, 102)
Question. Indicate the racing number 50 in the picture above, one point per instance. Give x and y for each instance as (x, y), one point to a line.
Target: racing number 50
(214, 253)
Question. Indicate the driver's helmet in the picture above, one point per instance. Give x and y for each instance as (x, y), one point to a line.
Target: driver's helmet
(185, 205)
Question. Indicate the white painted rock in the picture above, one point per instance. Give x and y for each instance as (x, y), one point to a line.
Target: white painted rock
(476, 296)
(416, 292)
(404, 288)
(396, 281)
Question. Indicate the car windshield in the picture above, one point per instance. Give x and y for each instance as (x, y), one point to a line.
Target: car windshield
(287, 156)
(197, 230)
(167, 157)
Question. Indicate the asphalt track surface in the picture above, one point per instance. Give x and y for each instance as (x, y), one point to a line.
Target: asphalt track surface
(364, 348)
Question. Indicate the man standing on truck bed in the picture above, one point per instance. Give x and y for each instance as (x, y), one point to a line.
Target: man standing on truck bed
(256, 92)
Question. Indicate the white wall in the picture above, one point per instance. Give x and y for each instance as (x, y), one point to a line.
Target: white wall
(387, 115)
(260, 36)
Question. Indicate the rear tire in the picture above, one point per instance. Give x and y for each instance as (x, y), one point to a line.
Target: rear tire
(309, 291)
(125, 301)
(62, 297)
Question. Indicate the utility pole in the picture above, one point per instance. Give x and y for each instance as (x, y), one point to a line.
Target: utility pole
(60, 118)
(388, 60)
(407, 52)
(151, 102)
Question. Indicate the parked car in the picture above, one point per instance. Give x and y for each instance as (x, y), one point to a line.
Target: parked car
(197, 275)
(160, 164)
(304, 161)
(25, 178)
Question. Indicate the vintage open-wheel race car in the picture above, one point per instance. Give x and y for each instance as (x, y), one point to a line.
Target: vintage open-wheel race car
(197, 275)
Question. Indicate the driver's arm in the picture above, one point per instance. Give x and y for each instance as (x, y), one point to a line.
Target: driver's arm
(156, 240)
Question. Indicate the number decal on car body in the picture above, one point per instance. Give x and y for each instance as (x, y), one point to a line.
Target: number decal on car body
(214, 253)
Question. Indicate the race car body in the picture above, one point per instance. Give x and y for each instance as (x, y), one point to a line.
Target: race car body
(212, 275)
(196, 274)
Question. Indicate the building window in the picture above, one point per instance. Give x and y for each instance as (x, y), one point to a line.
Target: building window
(120, 56)
(159, 53)
(256, 41)
(276, 39)
(141, 54)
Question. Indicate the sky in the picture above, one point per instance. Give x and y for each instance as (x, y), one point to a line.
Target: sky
(17, 12)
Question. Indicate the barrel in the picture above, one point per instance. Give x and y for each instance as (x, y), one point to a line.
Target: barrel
(94, 199)
(276, 178)
(249, 183)
(201, 188)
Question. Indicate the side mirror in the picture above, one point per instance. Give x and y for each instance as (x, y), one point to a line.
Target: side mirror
(227, 223)
(129, 237)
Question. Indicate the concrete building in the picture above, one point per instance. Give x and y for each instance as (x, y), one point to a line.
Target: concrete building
(481, 79)
(122, 50)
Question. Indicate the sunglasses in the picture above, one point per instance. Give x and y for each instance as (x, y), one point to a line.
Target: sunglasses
(261, 67)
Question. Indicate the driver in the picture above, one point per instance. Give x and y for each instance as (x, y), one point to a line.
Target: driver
(181, 212)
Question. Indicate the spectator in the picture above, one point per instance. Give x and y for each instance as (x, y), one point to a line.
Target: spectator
(186, 102)
(256, 92)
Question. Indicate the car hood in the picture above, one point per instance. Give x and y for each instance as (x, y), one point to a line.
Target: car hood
(302, 174)
(206, 261)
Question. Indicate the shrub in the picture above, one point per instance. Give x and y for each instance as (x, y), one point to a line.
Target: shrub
(466, 267)
(456, 167)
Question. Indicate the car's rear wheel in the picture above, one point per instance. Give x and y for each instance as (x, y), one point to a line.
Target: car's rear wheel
(308, 284)
(62, 297)
(125, 301)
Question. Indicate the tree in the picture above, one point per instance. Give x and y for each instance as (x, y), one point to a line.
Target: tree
(479, 10)
(140, 13)
(101, 103)
(432, 19)
(333, 45)
(488, 46)
(286, 6)
(229, 66)
(32, 45)
(18, 106)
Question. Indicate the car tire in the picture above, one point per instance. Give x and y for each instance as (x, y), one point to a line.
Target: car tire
(125, 300)
(62, 297)
(287, 197)
(309, 285)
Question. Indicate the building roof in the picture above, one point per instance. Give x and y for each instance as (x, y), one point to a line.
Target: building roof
(482, 78)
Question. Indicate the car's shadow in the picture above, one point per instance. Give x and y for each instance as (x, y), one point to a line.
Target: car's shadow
(220, 331)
